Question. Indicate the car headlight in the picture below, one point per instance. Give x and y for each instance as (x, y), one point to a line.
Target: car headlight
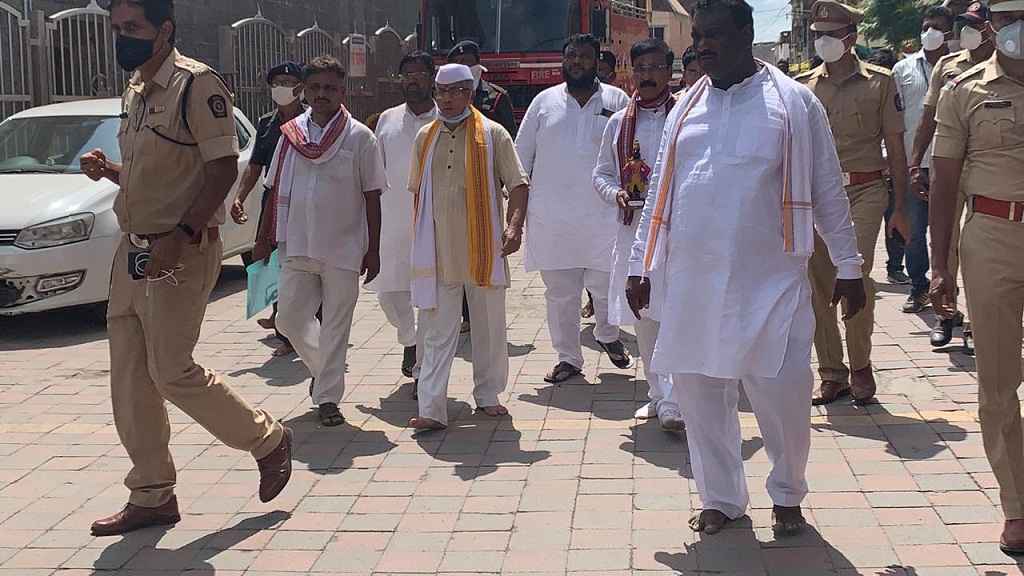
(76, 228)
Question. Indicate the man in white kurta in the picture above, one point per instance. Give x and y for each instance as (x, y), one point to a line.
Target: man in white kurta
(396, 133)
(747, 170)
(460, 243)
(570, 232)
(327, 185)
(642, 122)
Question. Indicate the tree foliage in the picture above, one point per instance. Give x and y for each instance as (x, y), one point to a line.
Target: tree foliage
(897, 22)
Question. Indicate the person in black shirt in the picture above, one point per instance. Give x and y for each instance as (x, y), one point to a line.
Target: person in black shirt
(286, 85)
(490, 99)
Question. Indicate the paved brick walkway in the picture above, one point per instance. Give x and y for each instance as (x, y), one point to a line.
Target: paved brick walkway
(570, 485)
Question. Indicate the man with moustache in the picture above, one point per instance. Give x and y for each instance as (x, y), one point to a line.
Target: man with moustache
(628, 150)
(747, 171)
(180, 160)
(571, 231)
(396, 132)
(461, 241)
(912, 75)
(980, 136)
(286, 87)
(326, 179)
(976, 41)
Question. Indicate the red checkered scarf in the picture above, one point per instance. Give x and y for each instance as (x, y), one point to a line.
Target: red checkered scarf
(627, 133)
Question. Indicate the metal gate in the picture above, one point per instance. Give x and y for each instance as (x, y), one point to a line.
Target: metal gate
(81, 49)
(255, 45)
(15, 62)
(313, 42)
(389, 49)
(361, 91)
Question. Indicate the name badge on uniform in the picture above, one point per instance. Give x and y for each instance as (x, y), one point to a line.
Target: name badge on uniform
(157, 109)
(846, 178)
(997, 104)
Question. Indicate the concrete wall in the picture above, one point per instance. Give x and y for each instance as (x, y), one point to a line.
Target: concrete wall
(199, 20)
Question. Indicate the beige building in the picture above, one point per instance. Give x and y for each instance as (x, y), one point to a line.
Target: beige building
(672, 23)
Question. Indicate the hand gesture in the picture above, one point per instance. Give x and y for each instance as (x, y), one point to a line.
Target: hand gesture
(638, 294)
(238, 212)
(165, 254)
(94, 164)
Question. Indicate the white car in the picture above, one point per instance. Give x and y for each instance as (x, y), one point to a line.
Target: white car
(58, 232)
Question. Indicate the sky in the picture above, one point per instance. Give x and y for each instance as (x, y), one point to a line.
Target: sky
(770, 18)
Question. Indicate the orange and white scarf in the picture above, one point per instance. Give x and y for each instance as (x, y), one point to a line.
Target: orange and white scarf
(483, 221)
(797, 170)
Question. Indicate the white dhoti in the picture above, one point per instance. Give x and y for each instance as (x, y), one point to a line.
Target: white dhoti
(564, 295)
(398, 309)
(659, 385)
(439, 330)
(322, 346)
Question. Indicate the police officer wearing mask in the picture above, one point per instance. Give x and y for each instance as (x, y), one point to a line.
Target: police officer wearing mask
(492, 100)
(180, 154)
(980, 135)
(286, 85)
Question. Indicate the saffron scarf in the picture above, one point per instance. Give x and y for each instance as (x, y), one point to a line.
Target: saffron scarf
(295, 142)
(797, 170)
(483, 224)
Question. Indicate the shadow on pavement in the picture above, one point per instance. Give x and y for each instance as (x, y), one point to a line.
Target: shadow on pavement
(332, 450)
(611, 396)
(906, 438)
(114, 557)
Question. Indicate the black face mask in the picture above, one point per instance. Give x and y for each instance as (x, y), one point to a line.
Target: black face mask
(133, 52)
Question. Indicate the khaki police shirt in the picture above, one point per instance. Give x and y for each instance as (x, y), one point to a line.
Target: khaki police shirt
(948, 67)
(159, 178)
(862, 110)
(980, 119)
(449, 180)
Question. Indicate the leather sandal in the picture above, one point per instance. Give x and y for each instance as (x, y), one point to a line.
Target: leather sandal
(829, 392)
(562, 372)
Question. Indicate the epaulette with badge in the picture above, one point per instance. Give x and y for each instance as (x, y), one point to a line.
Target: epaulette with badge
(497, 89)
(952, 84)
(877, 69)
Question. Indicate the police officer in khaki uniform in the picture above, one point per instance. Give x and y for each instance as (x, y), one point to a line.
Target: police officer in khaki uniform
(976, 38)
(980, 134)
(864, 110)
(179, 152)
(490, 99)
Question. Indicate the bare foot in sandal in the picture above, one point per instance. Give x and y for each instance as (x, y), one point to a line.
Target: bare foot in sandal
(492, 411)
(283, 350)
(787, 520)
(562, 372)
(420, 423)
(708, 521)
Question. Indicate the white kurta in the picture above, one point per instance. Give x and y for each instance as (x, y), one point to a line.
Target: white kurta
(396, 132)
(649, 127)
(567, 227)
(727, 275)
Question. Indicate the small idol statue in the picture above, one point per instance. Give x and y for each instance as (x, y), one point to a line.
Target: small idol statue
(636, 176)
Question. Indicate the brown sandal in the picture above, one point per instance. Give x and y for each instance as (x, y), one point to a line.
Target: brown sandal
(788, 520)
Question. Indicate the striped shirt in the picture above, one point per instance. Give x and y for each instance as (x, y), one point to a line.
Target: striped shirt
(912, 75)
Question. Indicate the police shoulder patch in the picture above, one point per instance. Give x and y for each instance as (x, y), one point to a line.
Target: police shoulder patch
(953, 83)
(218, 106)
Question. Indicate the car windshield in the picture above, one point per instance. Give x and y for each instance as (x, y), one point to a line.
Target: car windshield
(526, 25)
(53, 144)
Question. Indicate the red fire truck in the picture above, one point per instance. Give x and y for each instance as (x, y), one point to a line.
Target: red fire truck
(521, 40)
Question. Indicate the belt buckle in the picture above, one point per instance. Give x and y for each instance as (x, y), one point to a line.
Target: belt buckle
(139, 241)
(846, 178)
(1014, 211)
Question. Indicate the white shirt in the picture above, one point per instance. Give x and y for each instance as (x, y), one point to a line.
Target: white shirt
(912, 75)
(607, 181)
(396, 133)
(327, 210)
(567, 226)
(733, 295)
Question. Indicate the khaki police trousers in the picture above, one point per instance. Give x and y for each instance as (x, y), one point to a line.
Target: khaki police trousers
(954, 244)
(153, 328)
(867, 205)
(993, 266)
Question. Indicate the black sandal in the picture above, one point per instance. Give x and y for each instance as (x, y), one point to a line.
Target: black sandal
(562, 372)
(617, 353)
(330, 415)
(408, 361)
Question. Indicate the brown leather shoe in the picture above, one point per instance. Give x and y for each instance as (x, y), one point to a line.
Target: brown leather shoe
(862, 385)
(829, 392)
(276, 468)
(1012, 539)
(133, 517)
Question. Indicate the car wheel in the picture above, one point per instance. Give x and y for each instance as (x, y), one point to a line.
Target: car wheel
(97, 313)
(247, 258)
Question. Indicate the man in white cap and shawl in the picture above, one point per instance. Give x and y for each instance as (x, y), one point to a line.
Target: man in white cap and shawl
(628, 151)
(461, 239)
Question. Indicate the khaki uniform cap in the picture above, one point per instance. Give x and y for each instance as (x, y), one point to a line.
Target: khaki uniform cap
(830, 15)
(1006, 5)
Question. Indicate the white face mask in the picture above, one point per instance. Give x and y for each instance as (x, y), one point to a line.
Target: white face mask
(1009, 40)
(283, 95)
(932, 39)
(970, 38)
(830, 49)
(477, 71)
